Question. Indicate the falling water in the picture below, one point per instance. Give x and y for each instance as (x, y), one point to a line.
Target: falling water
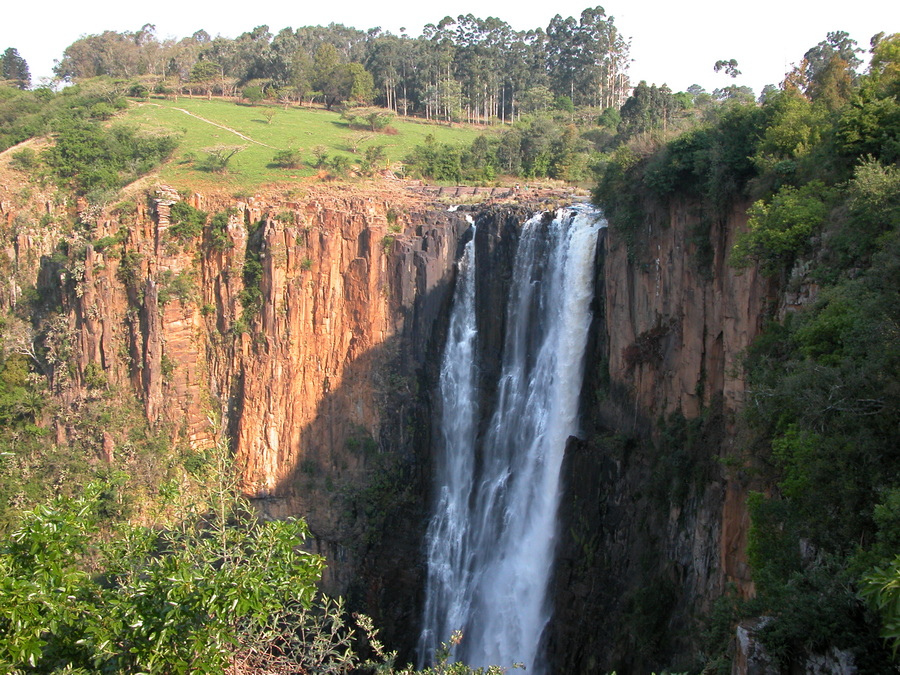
(492, 536)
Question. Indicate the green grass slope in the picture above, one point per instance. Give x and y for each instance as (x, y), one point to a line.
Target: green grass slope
(201, 124)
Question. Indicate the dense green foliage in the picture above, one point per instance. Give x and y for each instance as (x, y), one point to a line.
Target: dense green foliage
(179, 599)
(538, 146)
(96, 160)
(815, 167)
(186, 222)
(25, 114)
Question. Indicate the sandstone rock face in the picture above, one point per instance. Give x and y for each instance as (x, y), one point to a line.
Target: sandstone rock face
(303, 333)
(695, 320)
(654, 527)
(688, 319)
(307, 334)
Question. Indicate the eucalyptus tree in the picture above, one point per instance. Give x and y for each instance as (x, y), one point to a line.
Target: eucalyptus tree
(383, 60)
(437, 56)
(828, 70)
(649, 108)
(350, 42)
(181, 56)
(480, 44)
(248, 57)
(109, 53)
(281, 56)
(587, 58)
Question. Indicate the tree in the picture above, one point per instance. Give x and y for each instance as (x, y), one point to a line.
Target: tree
(778, 231)
(767, 93)
(884, 68)
(587, 58)
(648, 108)
(218, 157)
(742, 94)
(827, 71)
(254, 94)
(535, 99)
(178, 599)
(204, 74)
(362, 87)
(729, 66)
(330, 76)
(14, 69)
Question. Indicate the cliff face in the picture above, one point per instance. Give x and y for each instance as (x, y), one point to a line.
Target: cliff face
(302, 332)
(654, 527)
(307, 333)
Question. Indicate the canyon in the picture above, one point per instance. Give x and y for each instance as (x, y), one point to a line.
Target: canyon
(325, 389)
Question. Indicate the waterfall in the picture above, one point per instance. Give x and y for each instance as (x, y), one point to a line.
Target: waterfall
(492, 536)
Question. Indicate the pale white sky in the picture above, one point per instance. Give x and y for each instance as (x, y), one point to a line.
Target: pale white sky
(674, 42)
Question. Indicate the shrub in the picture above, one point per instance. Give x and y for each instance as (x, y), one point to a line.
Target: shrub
(218, 231)
(780, 228)
(288, 159)
(174, 600)
(91, 158)
(25, 159)
(186, 222)
(339, 165)
(218, 157)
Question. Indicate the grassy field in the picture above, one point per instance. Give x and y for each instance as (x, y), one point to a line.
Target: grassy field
(293, 128)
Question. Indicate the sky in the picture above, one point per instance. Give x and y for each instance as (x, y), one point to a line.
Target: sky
(675, 42)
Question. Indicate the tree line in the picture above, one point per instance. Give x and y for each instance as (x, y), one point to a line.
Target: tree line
(463, 68)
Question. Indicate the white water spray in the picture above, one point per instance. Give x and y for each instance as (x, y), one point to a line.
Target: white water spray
(493, 533)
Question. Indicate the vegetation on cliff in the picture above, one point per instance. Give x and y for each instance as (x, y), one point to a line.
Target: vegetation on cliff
(817, 163)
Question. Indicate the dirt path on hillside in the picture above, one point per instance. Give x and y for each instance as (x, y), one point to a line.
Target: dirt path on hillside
(216, 124)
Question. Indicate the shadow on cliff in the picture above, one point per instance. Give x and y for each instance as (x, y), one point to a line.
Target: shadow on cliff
(639, 550)
(363, 479)
(363, 472)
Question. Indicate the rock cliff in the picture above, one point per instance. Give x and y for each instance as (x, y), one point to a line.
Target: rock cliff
(306, 332)
(654, 525)
(301, 331)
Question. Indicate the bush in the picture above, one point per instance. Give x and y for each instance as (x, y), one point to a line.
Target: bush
(436, 161)
(218, 157)
(339, 165)
(288, 159)
(25, 159)
(254, 94)
(181, 599)
(218, 231)
(781, 228)
(186, 222)
(91, 158)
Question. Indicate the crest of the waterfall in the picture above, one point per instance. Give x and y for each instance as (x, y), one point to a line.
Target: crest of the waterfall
(493, 533)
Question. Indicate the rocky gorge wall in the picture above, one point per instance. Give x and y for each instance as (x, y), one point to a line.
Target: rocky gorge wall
(654, 518)
(321, 379)
(302, 332)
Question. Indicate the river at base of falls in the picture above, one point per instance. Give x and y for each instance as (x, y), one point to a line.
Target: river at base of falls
(492, 535)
